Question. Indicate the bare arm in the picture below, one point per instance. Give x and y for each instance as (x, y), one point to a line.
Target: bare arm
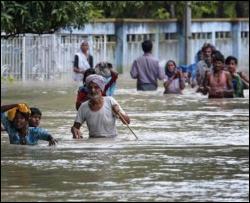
(78, 104)
(122, 116)
(204, 88)
(114, 76)
(229, 93)
(77, 70)
(182, 80)
(5, 108)
(75, 130)
(244, 77)
(133, 71)
(76, 67)
(229, 81)
(168, 82)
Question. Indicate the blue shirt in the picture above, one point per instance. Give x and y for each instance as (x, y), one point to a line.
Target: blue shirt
(32, 137)
(110, 91)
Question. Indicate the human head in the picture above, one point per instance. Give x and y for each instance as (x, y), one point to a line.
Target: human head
(147, 46)
(84, 46)
(96, 85)
(170, 66)
(207, 50)
(231, 63)
(218, 61)
(35, 117)
(19, 116)
(21, 120)
(88, 72)
(104, 69)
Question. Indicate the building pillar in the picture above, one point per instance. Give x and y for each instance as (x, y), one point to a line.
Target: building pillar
(121, 47)
(23, 72)
(236, 39)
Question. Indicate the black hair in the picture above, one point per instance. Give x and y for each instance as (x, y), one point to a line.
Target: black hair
(206, 46)
(218, 56)
(166, 66)
(110, 66)
(147, 46)
(25, 115)
(88, 72)
(231, 58)
(103, 65)
(35, 111)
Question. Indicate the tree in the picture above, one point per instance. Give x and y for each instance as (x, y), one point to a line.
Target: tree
(42, 17)
(232, 9)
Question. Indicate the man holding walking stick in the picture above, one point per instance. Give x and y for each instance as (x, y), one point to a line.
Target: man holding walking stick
(99, 112)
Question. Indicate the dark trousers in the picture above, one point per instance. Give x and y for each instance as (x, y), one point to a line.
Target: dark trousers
(146, 87)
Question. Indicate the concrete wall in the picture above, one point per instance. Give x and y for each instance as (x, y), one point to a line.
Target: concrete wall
(231, 37)
(119, 41)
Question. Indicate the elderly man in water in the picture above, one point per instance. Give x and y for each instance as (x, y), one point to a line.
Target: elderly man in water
(99, 112)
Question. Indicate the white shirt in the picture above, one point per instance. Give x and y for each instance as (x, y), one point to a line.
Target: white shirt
(173, 87)
(83, 65)
(100, 123)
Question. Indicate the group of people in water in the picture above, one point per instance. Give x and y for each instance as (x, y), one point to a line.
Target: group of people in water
(213, 75)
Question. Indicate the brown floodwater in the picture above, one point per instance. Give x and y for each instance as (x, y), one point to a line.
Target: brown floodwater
(189, 149)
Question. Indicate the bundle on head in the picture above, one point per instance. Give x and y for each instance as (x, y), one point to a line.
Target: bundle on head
(103, 69)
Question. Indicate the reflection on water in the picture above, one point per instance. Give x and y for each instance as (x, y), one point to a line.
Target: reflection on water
(189, 149)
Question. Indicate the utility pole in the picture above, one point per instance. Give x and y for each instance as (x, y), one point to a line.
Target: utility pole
(187, 32)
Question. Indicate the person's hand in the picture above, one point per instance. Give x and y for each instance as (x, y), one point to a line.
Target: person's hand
(113, 72)
(219, 94)
(178, 74)
(199, 89)
(76, 133)
(116, 109)
(53, 142)
(234, 75)
(174, 76)
(165, 84)
(203, 90)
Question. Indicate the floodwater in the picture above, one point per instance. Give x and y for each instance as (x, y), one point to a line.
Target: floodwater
(189, 149)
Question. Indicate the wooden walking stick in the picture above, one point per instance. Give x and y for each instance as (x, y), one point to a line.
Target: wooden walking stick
(121, 116)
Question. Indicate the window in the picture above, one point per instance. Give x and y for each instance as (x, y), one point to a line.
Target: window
(140, 37)
(111, 38)
(223, 35)
(202, 35)
(171, 36)
(244, 34)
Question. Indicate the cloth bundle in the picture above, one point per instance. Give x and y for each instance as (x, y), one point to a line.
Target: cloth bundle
(23, 108)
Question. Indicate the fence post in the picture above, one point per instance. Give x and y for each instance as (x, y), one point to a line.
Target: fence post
(54, 57)
(23, 58)
(236, 31)
(187, 24)
(121, 46)
(91, 48)
(157, 42)
(105, 48)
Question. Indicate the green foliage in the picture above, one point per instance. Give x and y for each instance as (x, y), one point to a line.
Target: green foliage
(161, 13)
(229, 10)
(204, 9)
(41, 17)
(8, 79)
